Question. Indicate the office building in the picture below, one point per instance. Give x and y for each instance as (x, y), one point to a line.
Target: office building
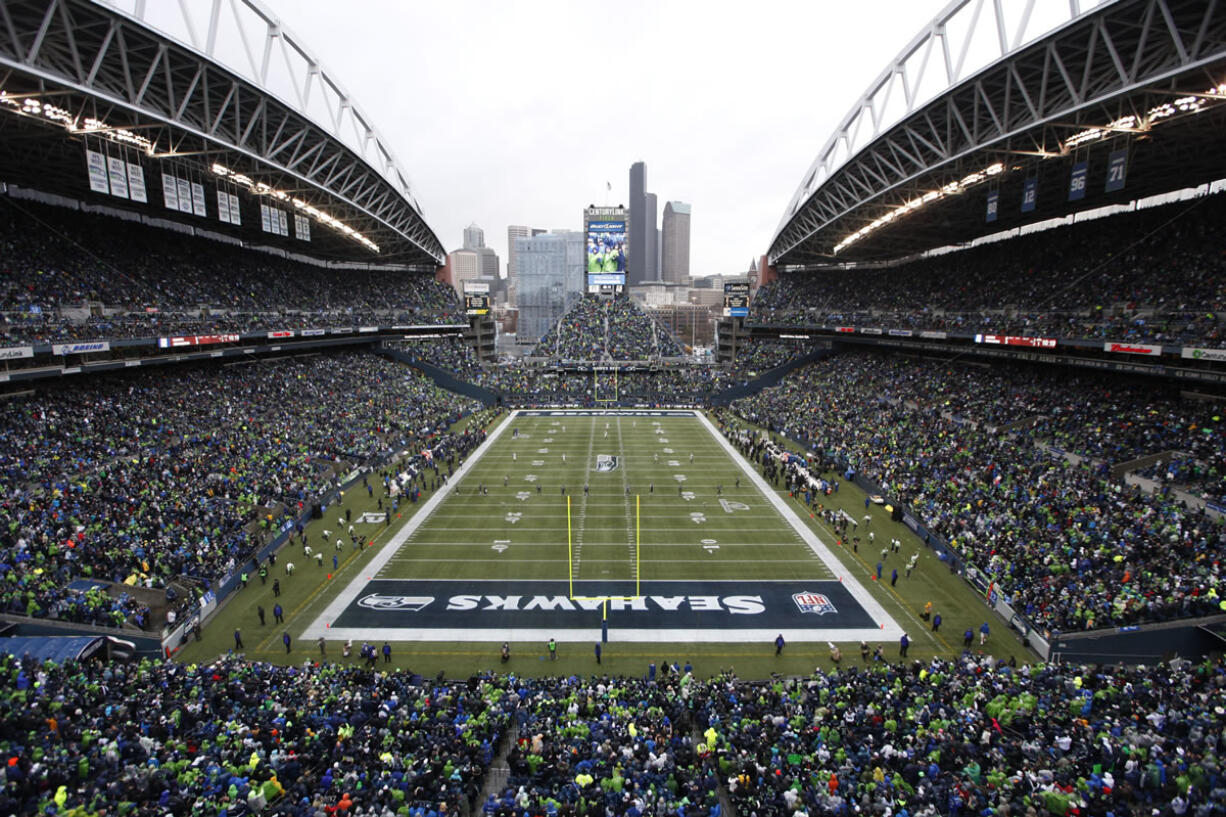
(652, 234)
(549, 278)
(675, 243)
(490, 267)
(513, 232)
(463, 265)
(474, 237)
(639, 267)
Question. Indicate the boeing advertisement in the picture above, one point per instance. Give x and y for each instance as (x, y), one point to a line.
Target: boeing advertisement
(606, 253)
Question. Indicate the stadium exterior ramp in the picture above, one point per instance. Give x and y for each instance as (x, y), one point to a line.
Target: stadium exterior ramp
(989, 91)
(220, 91)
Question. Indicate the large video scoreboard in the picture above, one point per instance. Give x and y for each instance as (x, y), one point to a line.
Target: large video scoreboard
(476, 298)
(607, 248)
(736, 299)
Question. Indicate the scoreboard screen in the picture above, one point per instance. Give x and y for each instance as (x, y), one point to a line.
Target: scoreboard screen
(736, 300)
(477, 303)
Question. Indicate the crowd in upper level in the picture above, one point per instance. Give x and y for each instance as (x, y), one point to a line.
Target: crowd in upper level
(607, 329)
(1157, 275)
(69, 275)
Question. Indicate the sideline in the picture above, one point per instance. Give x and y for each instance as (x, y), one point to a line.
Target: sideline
(322, 623)
(888, 627)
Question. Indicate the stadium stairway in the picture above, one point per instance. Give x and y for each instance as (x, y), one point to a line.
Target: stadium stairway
(499, 771)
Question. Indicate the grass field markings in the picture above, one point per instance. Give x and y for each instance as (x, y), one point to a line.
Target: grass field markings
(619, 560)
(582, 515)
(883, 585)
(486, 559)
(629, 515)
(811, 538)
(345, 596)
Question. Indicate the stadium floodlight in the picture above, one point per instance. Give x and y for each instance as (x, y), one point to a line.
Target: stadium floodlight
(32, 106)
(263, 189)
(1186, 104)
(950, 189)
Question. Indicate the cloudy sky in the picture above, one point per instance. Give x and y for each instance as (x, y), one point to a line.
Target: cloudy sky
(505, 112)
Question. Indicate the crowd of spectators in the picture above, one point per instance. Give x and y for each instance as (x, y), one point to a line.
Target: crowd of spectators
(760, 355)
(452, 354)
(234, 737)
(143, 477)
(600, 329)
(1203, 475)
(1068, 546)
(533, 383)
(967, 735)
(69, 275)
(1155, 275)
(616, 746)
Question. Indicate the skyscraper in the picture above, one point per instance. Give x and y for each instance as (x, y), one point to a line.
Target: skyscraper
(638, 266)
(652, 235)
(474, 237)
(513, 232)
(675, 243)
(549, 272)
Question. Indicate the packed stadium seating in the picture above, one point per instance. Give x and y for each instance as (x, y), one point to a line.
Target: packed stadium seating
(599, 329)
(525, 384)
(1155, 275)
(1073, 549)
(233, 736)
(58, 264)
(969, 737)
(139, 478)
(949, 736)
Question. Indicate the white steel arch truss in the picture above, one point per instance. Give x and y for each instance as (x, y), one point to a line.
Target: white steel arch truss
(306, 136)
(1027, 99)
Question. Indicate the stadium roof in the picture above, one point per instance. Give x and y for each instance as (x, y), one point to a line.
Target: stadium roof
(220, 95)
(916, 161)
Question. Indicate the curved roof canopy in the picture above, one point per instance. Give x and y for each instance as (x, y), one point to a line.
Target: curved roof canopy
(985, 98)
(216, 92)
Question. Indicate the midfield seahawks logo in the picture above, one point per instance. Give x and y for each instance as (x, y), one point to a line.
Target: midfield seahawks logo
(378, 602)
(813, 603)
(606, 463)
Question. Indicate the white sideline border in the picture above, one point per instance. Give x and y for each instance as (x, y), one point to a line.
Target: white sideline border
(887, 628)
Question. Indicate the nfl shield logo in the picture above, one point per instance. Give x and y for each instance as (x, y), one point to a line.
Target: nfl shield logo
(813, 603)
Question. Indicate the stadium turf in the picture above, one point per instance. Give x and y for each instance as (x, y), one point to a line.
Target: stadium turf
(687, 551)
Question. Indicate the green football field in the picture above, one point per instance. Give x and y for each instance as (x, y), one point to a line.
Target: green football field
(637, 526)
(643, 531)
(643, 497)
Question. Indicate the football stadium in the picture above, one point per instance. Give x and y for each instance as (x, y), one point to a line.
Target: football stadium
(302, 514)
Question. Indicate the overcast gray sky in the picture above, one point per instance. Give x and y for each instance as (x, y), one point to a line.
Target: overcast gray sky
(520, 112)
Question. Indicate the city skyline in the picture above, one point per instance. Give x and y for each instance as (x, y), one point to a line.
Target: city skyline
(728, 108)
